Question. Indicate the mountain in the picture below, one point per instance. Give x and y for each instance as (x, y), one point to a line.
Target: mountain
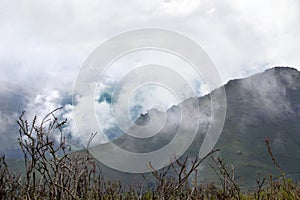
(263, 105)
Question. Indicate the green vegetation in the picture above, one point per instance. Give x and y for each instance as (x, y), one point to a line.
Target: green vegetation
(52, 172)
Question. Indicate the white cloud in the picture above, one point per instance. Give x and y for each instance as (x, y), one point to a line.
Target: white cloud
(178, 8)
(50, 37)
(212, 10)
(44, 43)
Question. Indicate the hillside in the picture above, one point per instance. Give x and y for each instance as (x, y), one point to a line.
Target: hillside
(265, 104)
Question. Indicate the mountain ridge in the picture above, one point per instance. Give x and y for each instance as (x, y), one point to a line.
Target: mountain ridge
(264, 104)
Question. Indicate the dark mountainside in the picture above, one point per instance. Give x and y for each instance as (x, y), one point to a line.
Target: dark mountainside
(263, 105)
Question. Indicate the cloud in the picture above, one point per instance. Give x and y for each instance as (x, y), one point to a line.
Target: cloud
(47, 39)
(14, 99)
(44, 43)
(271, 97)
(8, 135)
(178, 8)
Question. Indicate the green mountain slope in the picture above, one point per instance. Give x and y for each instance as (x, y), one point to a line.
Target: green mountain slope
(265, 104)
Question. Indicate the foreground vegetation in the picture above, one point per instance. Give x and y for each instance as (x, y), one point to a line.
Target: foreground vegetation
(51, 172)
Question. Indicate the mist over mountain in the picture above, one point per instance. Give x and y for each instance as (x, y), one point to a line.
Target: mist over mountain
(268, 97)
(263, 105)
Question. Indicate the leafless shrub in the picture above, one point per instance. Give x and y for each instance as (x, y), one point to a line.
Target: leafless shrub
(226, 176)
(52, 172)
(178, 180)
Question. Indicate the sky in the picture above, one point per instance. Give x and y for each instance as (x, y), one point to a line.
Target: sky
(43, 44)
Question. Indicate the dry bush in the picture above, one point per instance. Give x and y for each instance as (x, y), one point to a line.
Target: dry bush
(174, 181)
(52, 172)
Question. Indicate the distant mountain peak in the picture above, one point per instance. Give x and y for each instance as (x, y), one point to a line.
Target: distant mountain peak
(282, 68)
